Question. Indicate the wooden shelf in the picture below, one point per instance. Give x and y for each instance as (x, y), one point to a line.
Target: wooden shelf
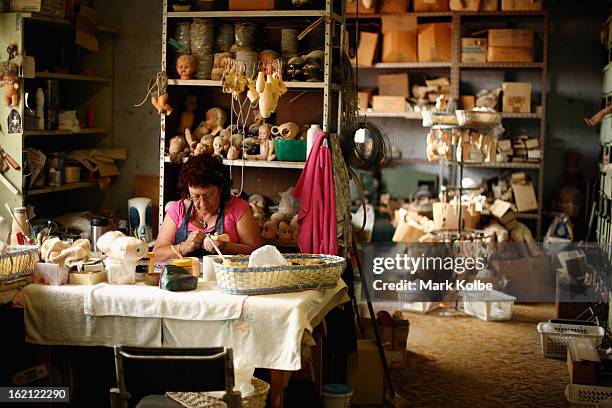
(256, 163)
(211, 83)
(405, 65)
(453, 13)
(254, 14)
(505, 65)
(403, 115)
(86, 131)
(71, 77)
(65, 187)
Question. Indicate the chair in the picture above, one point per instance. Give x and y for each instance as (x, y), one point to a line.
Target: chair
(149, 372)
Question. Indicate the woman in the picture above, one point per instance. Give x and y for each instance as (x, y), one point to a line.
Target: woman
(209, 209)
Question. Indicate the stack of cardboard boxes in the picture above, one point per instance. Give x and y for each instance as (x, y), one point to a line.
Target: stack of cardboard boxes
(502, 45)
(424, 6)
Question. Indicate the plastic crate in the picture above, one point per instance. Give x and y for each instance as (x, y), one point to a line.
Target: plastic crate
(419, 307)
(555, 337)
(488, 305)
(586, 395)
(416, 301)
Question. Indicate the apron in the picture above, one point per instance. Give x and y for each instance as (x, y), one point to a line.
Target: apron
(182, 233)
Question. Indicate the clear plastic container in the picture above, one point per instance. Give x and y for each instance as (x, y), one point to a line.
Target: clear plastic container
(120, 272)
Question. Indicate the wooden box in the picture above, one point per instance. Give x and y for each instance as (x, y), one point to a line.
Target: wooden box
(509, 54)
(239, 5)
(393, 6)
(381, 103)
(399, 39)
(473, 50)
(430, 5)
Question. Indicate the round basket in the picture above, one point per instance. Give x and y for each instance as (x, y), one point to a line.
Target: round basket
(206, 400)
(305, 272)
(18, 261)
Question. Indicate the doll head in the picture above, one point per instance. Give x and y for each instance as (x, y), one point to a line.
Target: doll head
(215, 119)
(265, 132)
(186, 66)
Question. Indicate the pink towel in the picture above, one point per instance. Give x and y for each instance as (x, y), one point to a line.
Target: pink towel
(315, 190)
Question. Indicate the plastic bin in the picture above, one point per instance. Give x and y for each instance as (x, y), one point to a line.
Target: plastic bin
(488, 305)
(290, 150)
(583, 396)
(337, 395)
(555, 336)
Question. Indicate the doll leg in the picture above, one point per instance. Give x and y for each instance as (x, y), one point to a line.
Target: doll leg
(598, 117)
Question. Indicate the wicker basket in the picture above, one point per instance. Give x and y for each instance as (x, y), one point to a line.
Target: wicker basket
(206, 400)
(471, 118)
(18, 262)
(305, 272)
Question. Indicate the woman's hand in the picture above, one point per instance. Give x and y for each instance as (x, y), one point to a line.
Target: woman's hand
(208, 245)
(193, 242)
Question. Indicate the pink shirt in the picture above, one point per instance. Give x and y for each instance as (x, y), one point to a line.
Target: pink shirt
(234, 209)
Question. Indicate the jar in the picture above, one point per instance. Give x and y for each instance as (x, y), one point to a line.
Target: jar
(55, 178)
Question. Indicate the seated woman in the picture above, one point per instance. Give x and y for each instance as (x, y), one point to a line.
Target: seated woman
(209, 209)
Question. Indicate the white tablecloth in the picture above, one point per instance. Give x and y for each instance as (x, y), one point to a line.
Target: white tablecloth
(267, 334)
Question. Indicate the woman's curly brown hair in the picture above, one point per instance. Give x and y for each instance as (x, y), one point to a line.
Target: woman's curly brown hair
(205, 171)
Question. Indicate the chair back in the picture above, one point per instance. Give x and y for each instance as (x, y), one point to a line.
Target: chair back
(146, 371)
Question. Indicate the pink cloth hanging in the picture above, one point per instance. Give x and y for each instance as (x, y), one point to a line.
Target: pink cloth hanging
(315, 190)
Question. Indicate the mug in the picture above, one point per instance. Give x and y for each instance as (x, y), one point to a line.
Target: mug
(289, 130)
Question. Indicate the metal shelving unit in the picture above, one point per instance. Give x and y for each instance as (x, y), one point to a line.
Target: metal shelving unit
(268, 172)
(456, 67)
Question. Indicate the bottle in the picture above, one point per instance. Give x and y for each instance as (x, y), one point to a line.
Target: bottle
(311, 135)
(99, 226)
(40, 109)
(90, 117)
(20, 219)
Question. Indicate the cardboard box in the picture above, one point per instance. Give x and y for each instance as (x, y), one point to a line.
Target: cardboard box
(368, 42)
(511, 38)
(434, 42)
(393, 6)
(54, 8)
(394, 84)
(365, 374)
(521, 5)
(388, 103)
(530, 278)
(446, 216)
(464, 5)
(239, 5)
(430, 5)
(509, 54)
(517, 97)
(399, 39)
(50, 274)
(393, 337)
(351, 7)
(473, 50)
(467, 102)
(524, 193)
(583, 361)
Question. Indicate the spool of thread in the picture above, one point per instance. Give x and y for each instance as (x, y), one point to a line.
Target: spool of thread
(245, 35)
(183, 37)
(224, 37)
(205, 64)
(202, 36)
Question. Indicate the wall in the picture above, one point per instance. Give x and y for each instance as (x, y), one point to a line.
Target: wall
(137, 59)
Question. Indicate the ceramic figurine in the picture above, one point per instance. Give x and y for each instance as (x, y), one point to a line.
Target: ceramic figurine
(270, 229)
(178, 149)
(11, 87)
(192, 141)
(187, 118)
(295, 69)
(258, 204)
(236, 143)
(215, 120)
(266, 144)
(186, 66)
(161, 103)
(287, 131)
(200, 131)
(218, 146)
(284, 232)
(313, 67)
(253, 95)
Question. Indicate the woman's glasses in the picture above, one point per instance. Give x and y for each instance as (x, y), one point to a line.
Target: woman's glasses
(196, 198)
